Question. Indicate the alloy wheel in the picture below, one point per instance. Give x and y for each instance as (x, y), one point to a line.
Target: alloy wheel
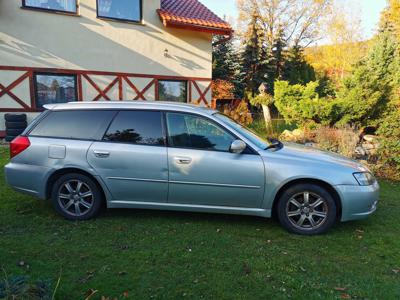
(307, 211)
(75, 197)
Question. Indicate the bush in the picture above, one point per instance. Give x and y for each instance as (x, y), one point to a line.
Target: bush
(302, 105)
(341, 140)
(240, 114)
(389, 150)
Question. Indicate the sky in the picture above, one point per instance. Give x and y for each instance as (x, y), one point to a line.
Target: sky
(370, 10)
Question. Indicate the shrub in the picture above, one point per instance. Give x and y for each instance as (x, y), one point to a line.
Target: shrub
(389, 150)
(341, 140)
(302, 105)
(240, 114)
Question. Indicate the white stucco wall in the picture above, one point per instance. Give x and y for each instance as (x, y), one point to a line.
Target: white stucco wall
(30, 38)
(41, 39)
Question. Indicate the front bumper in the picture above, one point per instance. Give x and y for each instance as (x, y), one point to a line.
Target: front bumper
(358, 202)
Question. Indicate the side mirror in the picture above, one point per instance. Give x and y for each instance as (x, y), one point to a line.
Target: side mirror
(237, 146)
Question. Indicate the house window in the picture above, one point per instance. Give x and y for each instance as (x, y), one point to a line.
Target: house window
(68, 6)
(175, 91)
(55, 88)
(125, 10)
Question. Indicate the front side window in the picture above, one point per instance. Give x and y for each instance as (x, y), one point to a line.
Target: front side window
(56, 5)
(74, 124)
(194, 132)
(127, 10)
(255, 139)
(136, 127)
(175, 91)
(52, 88)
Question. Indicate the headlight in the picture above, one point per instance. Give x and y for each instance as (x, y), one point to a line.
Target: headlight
(364, 178)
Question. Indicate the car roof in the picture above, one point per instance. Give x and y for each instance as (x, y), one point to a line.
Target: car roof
(137, 104)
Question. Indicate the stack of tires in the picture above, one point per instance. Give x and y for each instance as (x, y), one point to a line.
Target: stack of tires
(15, 125)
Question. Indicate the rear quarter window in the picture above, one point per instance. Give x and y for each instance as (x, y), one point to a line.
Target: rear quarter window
(74, 124)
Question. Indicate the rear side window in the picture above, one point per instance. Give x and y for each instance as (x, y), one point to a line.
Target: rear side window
(136, 127)
(83, 124)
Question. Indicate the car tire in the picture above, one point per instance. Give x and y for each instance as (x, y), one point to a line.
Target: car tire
(14, 132)
(16, 124)
(307, 209)
(15, 117)
(77, 197)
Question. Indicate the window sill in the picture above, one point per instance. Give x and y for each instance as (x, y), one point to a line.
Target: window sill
(106, 19)
(58, 12)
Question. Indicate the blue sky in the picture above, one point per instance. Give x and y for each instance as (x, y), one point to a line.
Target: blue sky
(370, 10)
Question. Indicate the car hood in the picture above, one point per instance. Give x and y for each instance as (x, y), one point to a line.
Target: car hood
(313, 155)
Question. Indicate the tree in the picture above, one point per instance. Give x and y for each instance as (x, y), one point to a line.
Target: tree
(296, 69)
(222, 89)
(224, 61)
(300, 19)
(253, 55)
(345, 46)
(390, 18)
(276, 57)
(366, 93)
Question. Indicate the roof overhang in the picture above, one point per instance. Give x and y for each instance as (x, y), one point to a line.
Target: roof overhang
(193, 24)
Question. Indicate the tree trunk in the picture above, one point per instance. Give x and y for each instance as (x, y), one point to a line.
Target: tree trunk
(267, 116)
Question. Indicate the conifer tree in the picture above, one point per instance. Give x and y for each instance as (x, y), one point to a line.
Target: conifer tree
(253, 56)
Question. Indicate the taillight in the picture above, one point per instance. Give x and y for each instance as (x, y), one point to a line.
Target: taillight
(19, 144)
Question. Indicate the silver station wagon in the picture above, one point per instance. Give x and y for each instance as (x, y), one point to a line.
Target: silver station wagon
(170, 156)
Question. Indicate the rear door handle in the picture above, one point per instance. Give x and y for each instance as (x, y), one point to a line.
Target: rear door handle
(101, 154)
(183, 160)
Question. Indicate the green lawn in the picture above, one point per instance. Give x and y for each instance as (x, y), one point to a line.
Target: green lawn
(167, 255)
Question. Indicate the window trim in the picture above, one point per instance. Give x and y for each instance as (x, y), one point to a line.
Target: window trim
(140, 21)
(174, 80)
(55, 11)
(36, 90)
(250, 150)
(163, 129)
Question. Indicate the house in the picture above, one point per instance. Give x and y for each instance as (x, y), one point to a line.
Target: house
(54, 51)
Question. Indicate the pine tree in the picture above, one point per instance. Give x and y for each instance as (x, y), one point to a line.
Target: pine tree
(224, 59)
(366, 93)
(275, 61)
(253, 56)
(296, 69)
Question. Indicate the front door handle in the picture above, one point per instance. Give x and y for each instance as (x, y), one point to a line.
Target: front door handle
(101, 154)
(183, 160)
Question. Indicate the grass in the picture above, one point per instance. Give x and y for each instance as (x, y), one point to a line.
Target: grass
(274, 131)
(139, 254)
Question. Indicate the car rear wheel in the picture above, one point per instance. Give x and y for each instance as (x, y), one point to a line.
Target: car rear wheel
(307, 209)
(76, 197)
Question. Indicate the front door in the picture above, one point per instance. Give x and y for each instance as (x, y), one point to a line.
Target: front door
(202, 171)
(132, 157)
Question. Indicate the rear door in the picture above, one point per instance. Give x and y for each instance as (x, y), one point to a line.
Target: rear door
(132, 157)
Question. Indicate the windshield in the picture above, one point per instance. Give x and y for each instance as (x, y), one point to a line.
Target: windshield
(247, 133)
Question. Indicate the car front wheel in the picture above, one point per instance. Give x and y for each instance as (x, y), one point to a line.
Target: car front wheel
(307, 209)
(76, 197)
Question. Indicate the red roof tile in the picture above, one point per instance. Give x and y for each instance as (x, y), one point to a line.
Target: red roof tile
(192, 14)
